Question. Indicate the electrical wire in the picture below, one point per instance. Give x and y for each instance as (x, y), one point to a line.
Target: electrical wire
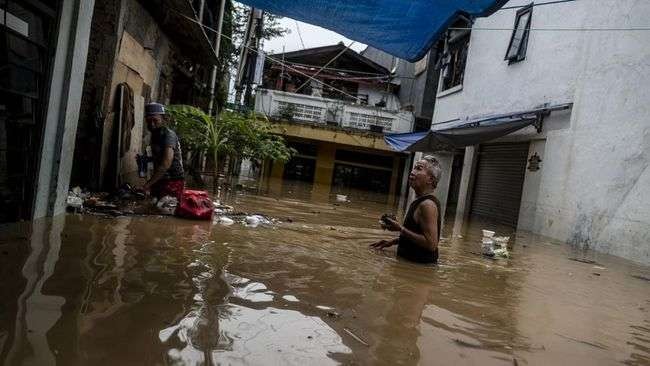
(327, 64)
(266, 56)
(558, 29)
(279, 62)
(535, 4)
(336, 69)
(300, 35)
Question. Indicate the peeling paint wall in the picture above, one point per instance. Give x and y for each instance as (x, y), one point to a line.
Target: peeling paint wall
(144, 54)
(127, 46)
(593, 188)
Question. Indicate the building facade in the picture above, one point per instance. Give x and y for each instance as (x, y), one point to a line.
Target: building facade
(583, 176)
(140, 52)
(336, 124)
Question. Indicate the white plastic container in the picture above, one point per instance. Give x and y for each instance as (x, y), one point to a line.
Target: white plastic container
(488, 233)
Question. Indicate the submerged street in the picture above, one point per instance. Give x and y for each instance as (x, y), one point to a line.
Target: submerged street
(84, 289)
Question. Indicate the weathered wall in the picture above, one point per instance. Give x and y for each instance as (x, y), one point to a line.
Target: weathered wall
(548, 74)
(143, 56)
(610, 139)
(106, 21)
(416, 91)
(593, 188)
(376, 94)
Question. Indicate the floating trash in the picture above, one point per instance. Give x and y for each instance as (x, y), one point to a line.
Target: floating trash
(341, 198)
(223, 220)
(494, 246)
(167, 205)
(75, 203)
(488, 233)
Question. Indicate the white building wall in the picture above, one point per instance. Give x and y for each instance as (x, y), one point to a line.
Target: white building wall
(593, 188)
(376, 95)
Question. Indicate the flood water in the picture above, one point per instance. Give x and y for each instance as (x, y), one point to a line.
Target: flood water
(82, 289)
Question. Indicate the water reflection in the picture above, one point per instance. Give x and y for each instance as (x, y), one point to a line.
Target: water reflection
(133, 290)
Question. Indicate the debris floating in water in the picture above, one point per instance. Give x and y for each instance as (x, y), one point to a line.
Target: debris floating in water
(167, 205)
(494, 246)
(223, 220)
(342, 198)
(75, 203)
(356, 337)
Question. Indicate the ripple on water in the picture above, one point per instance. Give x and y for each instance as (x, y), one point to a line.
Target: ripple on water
(86, 290)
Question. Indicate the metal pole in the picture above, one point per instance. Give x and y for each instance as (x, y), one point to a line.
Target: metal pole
(213, 81)
(201, 9)
(282, 70)
(243, 57)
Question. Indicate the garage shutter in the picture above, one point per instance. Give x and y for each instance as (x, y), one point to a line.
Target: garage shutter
(499, 181)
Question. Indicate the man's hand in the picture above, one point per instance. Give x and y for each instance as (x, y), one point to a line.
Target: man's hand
(145, 188)
(383, 244)
(390, 225)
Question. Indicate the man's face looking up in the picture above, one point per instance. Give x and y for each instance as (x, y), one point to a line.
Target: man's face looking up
(154, 122)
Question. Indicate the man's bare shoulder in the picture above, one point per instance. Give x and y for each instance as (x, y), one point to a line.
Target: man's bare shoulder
(429, 205)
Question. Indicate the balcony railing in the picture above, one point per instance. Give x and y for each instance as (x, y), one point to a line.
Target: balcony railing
(308, 109)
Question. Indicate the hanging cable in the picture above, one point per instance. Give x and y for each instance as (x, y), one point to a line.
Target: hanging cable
(558, 29)
(336, 69)
(300, 35)
(354, 97)
(536, 4)
(313, 77)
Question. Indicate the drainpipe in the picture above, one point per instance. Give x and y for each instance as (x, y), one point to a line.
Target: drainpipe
(213, 81)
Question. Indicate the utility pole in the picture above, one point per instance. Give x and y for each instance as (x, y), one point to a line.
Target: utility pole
(253, 61)
(251, 41)
(217, 48)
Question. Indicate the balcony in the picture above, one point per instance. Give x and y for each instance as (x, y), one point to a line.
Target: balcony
(307, 109)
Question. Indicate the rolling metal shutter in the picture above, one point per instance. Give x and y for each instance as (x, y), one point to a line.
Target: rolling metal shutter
(499, 181)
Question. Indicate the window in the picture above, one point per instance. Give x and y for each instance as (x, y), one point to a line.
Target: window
(519, 40)
(455, 57)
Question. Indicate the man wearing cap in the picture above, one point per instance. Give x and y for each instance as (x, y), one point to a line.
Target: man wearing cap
(168, 178)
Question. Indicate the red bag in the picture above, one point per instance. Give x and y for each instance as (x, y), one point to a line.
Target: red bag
(195, 205)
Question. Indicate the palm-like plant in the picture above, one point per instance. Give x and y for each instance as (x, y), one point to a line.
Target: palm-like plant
(230, 133)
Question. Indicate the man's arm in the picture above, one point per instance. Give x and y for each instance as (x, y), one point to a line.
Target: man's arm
(427, 217)
(384, 243)
(165, 164)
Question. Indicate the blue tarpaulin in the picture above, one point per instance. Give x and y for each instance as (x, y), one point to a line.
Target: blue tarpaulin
(468, 132)
(402, 28)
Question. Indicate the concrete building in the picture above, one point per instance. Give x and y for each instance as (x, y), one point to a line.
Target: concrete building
(71, 72)
(336, 124)
(583, 177)
(43, 47)
(140, 52)
(418, 82)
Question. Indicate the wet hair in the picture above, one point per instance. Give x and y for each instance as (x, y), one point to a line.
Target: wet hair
(434, 168)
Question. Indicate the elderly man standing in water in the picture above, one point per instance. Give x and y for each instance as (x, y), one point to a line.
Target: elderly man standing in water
(419, 235)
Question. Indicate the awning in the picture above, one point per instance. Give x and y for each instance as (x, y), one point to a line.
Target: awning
(406, 29)
(468, 132)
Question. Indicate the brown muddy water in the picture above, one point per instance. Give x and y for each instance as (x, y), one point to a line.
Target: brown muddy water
(307, 291)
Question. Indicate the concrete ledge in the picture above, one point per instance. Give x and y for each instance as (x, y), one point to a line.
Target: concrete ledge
(345, 136)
